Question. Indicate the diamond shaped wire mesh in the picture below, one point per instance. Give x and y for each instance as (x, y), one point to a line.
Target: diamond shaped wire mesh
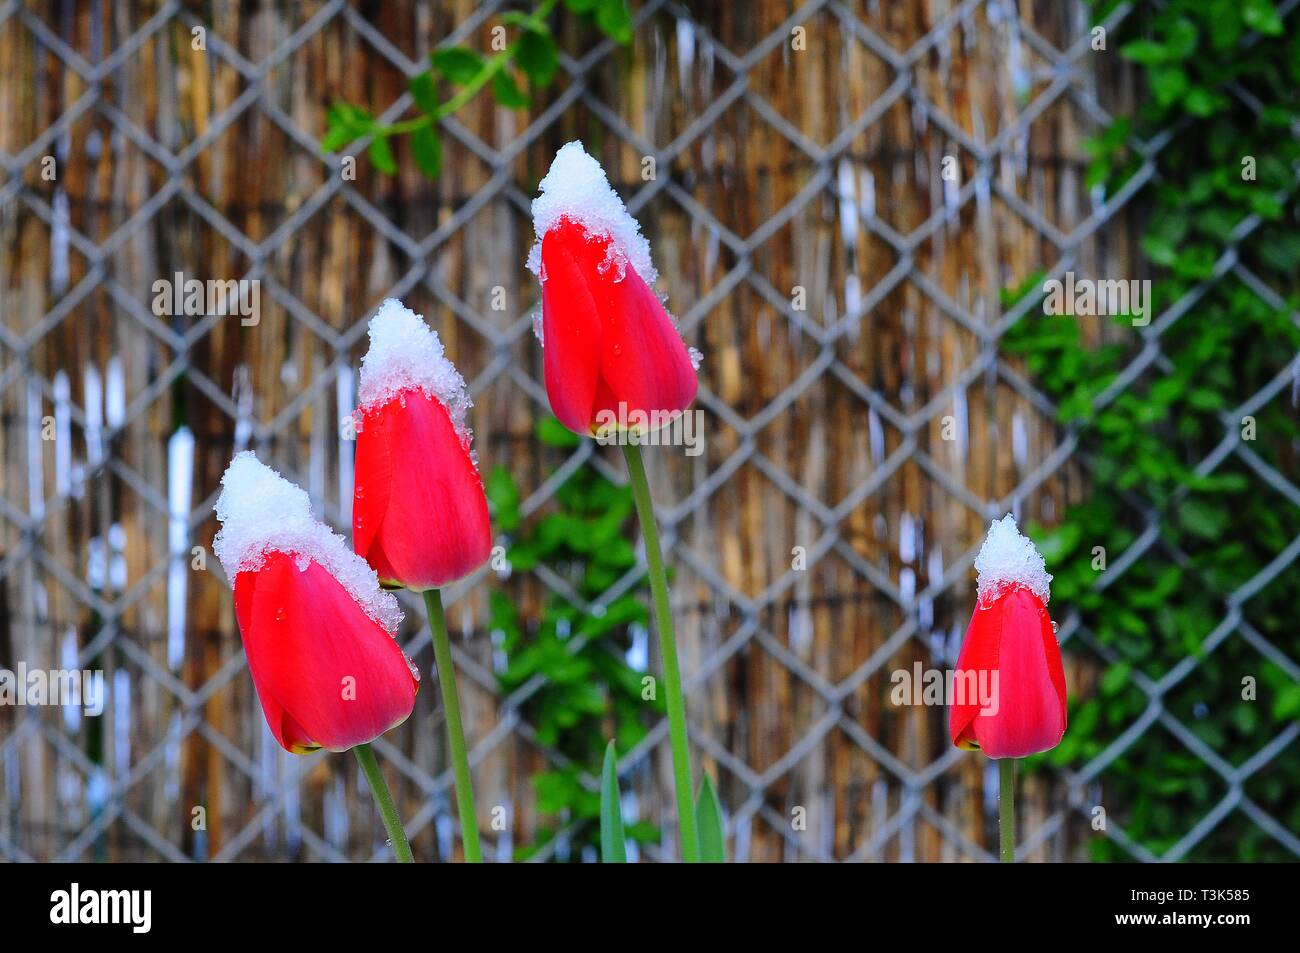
(844, 293)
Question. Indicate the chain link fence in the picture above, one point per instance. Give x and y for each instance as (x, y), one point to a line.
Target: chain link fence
(843, 328)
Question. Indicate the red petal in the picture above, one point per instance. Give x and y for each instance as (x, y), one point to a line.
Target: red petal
(372, 482)
(571, 325)
(327, 674)
(979, 655)
(435, 526)
(1014, 637)
(644, 361)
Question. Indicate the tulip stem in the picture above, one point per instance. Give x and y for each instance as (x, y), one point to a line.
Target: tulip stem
(675, 702)
(1007, 809)
(455, 732)
(384, 801)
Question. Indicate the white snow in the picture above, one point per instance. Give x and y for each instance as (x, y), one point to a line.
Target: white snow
(406, 353)
(261, 512)
(1006, 560)
(576, 188)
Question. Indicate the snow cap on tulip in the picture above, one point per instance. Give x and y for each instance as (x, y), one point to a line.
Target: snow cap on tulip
(263, 513)
(576, 188)
(406, 353)
(1008, 559)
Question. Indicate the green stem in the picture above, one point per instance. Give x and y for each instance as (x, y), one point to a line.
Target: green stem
(384, 800)
(668, 650)
(1007, 809)
(455, 733)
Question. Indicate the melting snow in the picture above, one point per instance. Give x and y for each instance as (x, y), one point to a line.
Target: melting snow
(261, 512)
(576, 188)
(1006, 560)
(406, 353)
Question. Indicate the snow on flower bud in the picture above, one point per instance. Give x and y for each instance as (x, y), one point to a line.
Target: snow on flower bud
(610, 349)
(1010, 649)
(318, 631)
(419, 514)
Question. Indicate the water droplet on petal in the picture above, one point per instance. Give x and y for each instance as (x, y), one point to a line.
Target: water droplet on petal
(280, 614)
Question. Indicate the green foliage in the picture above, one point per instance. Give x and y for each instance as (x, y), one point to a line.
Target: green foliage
(531, 59)
(589, 689)
(1219, 527)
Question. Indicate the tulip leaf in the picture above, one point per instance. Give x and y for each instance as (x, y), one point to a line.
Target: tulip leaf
(708, 820)
(613, 845)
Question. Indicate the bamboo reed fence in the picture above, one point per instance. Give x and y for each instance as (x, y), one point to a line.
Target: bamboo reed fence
(844, 293)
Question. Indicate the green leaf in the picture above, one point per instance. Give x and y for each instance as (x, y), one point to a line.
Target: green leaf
(1261, 16)
(613, 844)
(344, 122)
(537, 57)
(1146, 52)
(581, 6)
(504, 497)
(1168, 84)
(335, 138)
(381, 154)
(615, 20)
(1203, 519)
(459, 64)
(554, 434)
(507, 92)
(708, 820)
(425, 92)
(426, 147)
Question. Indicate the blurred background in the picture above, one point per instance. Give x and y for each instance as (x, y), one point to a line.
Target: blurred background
(853, 206)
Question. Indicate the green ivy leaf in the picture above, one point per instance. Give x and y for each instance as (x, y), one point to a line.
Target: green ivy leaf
(426, 148)
(1261, 16)
(425, 92)
(458, 63)
(503, 494)
(537, 57)
(506, 92)
(1202, 518)
(554, 434)
(615, 20)
(381, 154)
(1146, 52)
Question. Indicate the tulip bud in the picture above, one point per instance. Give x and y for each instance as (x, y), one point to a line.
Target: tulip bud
(1010, 648)
(419, 514)
(611, 352)
(318, 631)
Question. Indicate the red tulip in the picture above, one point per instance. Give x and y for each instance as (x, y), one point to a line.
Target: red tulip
(610, 350)
(419, 514)
(317, 629)
(1009, 686)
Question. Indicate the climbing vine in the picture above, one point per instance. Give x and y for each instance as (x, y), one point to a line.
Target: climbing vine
(1223, 77)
